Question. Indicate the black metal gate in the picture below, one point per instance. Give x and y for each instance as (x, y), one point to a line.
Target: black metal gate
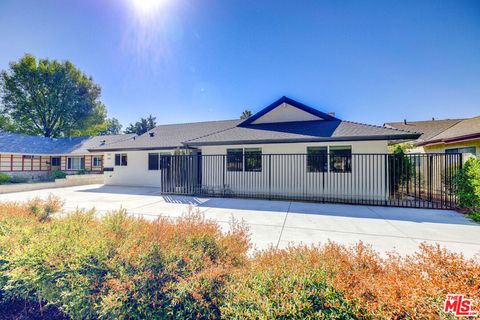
(405, 180)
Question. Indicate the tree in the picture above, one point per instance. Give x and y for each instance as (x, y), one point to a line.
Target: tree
(49, 98)
(246, 114)
(113, 127)
(142, 126)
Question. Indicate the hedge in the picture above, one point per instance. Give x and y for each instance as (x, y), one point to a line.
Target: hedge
(119, 267)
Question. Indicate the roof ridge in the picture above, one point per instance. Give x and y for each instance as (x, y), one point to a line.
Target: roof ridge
(209, 134)
(380, 127)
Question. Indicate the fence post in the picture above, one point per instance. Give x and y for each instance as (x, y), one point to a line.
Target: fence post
(223, 172)
(387, 187)
(270, 177)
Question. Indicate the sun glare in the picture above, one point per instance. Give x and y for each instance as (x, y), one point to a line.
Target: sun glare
(147, 6)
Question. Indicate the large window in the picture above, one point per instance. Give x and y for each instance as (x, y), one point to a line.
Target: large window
(317, 159)
(75, 163)
(341, 159)
(235, 159)
(471, 150)
(121, 159)
(253, 159)
(158, 161)
(55, 161)
(97, 161)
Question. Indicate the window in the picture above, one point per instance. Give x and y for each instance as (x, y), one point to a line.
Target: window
(121, 159)
(471, 150)
(235, 159)
(55, 161)
(253, 159)
(97, 161)
(153, 161)
(158, 161)
(75, 163)
(341, 159)
(317, 159)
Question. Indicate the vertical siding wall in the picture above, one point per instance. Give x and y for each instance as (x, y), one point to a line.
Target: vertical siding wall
(15, 162)
(284, 171)
(19, 163)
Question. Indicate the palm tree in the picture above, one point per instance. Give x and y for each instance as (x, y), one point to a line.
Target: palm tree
(246, 114)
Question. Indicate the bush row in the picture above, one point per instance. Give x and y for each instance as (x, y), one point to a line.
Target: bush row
(467, 187)
(119, 267)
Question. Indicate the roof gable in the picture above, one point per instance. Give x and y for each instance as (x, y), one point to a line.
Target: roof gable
(286, 110)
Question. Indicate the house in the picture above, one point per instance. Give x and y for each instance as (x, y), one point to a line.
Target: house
(444, 136)
(34, 157)
(286, 148)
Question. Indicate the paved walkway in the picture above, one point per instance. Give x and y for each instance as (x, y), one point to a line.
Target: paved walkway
(279, 223)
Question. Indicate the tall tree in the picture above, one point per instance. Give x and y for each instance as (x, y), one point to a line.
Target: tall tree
(246, 114)
(113, 127)
(49, 98)
(142, 126)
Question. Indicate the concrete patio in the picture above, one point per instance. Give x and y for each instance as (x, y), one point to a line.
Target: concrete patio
(280, 223)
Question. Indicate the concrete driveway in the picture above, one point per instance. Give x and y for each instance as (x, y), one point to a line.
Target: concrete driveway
(279, 223)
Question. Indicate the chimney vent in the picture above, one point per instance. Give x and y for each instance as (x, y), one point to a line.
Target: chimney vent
(151, 134)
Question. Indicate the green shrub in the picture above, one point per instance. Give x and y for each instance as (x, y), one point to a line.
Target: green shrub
(475, 216)
(58, 174)
(16, 179)
(4, 178)
(467, 184)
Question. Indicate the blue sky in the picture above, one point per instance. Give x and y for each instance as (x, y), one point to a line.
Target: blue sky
(194, 60)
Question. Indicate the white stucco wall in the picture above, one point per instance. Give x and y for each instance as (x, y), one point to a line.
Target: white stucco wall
(136, 172)
(278, 175)
(289, 174)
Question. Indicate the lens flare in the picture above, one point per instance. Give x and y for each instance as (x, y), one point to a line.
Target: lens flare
(147, 6)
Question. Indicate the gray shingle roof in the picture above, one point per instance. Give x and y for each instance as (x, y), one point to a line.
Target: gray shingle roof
(171, 136)
(323, 130)
(26, 144)
(462, 129)
(428, 129)
(228, 132)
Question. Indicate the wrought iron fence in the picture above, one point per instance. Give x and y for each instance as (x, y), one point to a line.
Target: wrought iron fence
(410, 180)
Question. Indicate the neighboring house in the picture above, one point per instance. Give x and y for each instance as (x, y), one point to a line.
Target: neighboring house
(444, 136)
(287, 143)
(34, 157)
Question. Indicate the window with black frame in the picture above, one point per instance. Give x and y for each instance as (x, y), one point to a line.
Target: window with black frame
(341, 159)
(235, 159)
(317, 159)
(121, 159)
(253, 159)
(153, 161)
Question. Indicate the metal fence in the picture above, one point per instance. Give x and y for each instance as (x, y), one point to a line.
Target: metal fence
(411, 180)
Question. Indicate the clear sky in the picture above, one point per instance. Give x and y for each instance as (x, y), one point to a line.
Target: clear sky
(194, 60)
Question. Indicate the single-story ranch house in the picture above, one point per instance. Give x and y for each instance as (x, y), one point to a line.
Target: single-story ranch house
(444, 136)
(35, 157)
(287, 150)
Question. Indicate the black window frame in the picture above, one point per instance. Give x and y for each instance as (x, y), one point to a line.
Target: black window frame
(153, 161)
(317, 159)
(54, 159)
(342, 154)
(462, 150)
(235, 160)
(253, 159)
(121, 160)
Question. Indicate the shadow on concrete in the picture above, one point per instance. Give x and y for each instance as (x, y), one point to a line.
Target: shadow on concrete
(325, 209)
(137, 191)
